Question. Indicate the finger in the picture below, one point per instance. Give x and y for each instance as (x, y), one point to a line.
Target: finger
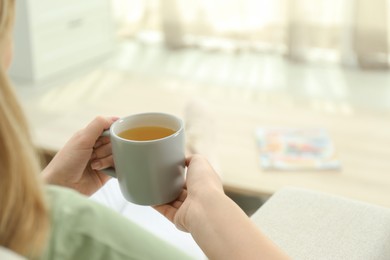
(103, 177)
(183, 195)
(102, 163)
(194, 157)
(103, 151)
(167, 211)
(98, 125)
(180, 200)
(87, 137)
(177, 204)
(102, 140)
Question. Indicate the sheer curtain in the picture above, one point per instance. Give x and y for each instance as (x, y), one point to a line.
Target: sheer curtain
(350, 32)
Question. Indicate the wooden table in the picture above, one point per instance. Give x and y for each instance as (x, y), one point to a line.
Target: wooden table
(361, 137)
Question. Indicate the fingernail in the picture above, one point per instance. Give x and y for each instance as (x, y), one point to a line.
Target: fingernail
(96, 165)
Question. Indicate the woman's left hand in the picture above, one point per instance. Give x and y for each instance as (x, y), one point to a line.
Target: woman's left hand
(77, 165)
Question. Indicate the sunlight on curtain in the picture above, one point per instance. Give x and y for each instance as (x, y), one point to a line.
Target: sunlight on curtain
(351, 32)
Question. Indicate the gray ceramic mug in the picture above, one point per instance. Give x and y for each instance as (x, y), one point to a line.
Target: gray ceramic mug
(149, 172)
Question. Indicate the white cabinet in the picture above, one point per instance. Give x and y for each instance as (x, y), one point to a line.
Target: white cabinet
(52, 36)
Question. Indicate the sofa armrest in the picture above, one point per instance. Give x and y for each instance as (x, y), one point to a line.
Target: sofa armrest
(313, 225)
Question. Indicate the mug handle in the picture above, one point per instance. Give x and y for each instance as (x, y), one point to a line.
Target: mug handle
(111, 170)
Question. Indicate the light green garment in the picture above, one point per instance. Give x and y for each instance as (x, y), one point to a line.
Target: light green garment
(84, 229)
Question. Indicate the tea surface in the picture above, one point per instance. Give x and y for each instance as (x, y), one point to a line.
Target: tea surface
(146, 133)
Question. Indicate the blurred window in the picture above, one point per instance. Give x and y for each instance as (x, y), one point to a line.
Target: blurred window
(350, 32)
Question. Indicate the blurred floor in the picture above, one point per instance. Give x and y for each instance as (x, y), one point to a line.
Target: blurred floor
(257, 77)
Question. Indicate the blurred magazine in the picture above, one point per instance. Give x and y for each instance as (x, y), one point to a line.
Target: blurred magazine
(296, 149)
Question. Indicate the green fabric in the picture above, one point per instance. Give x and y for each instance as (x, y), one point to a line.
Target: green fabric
(84, 229)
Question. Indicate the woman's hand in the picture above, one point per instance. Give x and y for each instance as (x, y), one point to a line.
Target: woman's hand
(217, 224)
(202, 181)
(77, 165)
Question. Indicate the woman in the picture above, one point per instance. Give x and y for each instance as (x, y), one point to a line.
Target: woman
(41, 221)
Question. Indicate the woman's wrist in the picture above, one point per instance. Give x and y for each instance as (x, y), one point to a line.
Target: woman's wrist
(201, 205)
(47, 176)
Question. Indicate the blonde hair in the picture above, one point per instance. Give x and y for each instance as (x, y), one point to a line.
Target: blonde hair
(24, 218)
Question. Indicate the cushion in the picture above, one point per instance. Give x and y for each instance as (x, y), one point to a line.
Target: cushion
(314, 225)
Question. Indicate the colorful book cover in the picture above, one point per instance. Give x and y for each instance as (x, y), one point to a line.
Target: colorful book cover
(296, 149)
